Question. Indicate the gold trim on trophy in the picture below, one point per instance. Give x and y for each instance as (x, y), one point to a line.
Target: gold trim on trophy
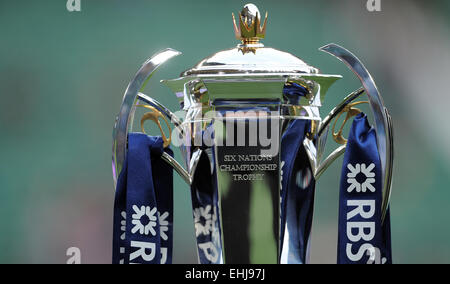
(351, 112)
(154, 116)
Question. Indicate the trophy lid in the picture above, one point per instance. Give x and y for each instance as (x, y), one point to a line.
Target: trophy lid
(250, 70)
(250, 57)
(261, 60)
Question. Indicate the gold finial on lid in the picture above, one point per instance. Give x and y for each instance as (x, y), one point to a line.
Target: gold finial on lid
(250, 30)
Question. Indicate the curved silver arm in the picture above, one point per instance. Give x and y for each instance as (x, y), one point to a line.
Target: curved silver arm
(170, 115)
(389, 162)
(314, 153)
(383, 123)
(321, 168)
(177, 167)
(335, 111)
(126, 113)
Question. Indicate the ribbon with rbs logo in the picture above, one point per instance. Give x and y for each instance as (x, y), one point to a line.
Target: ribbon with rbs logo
(362, 237)
(143, 207)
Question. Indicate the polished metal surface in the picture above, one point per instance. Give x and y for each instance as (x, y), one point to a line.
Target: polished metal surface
(337, 109)
(382, 126)
(249, 30)
(205, 89)
(170, 115)
(249, 200)
(322, 167)
(264, 60)
(178, 127)
(314, 150)
(390, 164)
(177, 167)
(124, 118)
(195, 159)
(250, 13)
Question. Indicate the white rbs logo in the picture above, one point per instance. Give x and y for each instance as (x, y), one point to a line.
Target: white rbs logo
(144, 221)
(365, 209)
(205, 218)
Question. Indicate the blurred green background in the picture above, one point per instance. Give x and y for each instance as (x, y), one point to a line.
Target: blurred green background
(63, 75)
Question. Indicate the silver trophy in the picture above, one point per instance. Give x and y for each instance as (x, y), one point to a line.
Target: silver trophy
(227, 92)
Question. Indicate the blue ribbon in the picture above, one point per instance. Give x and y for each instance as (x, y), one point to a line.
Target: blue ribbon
(297, 194)
(362, 238)
(297, 186)
(204, 196)
(143, 207)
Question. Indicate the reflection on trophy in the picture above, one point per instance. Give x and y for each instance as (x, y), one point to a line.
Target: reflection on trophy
(253, 141)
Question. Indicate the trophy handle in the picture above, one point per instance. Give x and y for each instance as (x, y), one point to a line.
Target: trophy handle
(315, 153)
(124, 119)
(383, 121)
